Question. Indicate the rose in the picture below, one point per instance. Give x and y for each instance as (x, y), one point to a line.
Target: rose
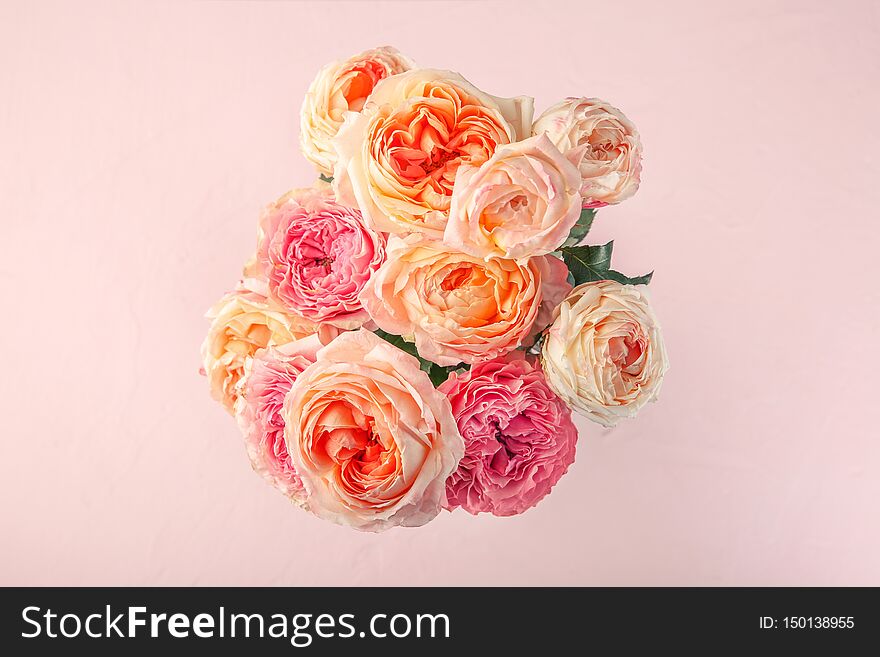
(338, 88)
(370, 436)
(522, 202)
(316, 255)
(603, 142)
(604, 352)
(242, 322)
(519, 437)
(398, 157)
(458, 308)
(267, 380)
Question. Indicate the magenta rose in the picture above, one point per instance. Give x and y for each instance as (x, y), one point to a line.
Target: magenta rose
(316, 256)
(268, 378)
(518, 434)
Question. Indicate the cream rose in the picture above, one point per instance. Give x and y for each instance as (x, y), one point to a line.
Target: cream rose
(604, 352)
(338, 88)
(370, 437)
(520, 203)
(397, 159)
(242, 322)
(602, 141)
(460, 308)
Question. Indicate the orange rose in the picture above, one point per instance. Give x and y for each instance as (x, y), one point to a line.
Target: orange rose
(398, 157)
(460, 308)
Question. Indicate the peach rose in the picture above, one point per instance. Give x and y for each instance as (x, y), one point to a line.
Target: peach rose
(371, 438)
(242, 322)
(399, 156)
(459, 308)
(338, 88)
(602, 141)
(520, 203)
(604, 352)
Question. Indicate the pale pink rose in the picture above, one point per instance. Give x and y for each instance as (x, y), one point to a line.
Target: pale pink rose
(316, 255)
(602, 141)
(460, 308)
(604, 353)
(518, 435)
(370, 436)
(243, 322)
(554, 288)
(338, 88)
(397, 159)
(267, 380)
(520, 203)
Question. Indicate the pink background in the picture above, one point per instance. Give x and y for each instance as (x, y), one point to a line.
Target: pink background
(138, 142)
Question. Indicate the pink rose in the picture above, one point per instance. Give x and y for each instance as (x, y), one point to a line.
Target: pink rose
(369, 435)
(460, 308)
(316, 255)
(520, 203)
(519, 437)
(601, 141)
(267, 380)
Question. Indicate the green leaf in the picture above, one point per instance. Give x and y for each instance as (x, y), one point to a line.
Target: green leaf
(437, 373)
(588, 263)
(644, 279)
(326, 179)
(581, 228)
(535, 348)
(400, 343)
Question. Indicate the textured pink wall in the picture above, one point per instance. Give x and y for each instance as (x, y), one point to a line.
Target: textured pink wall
(139, 140)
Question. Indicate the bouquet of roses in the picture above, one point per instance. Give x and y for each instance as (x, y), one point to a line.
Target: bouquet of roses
(415, 329)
